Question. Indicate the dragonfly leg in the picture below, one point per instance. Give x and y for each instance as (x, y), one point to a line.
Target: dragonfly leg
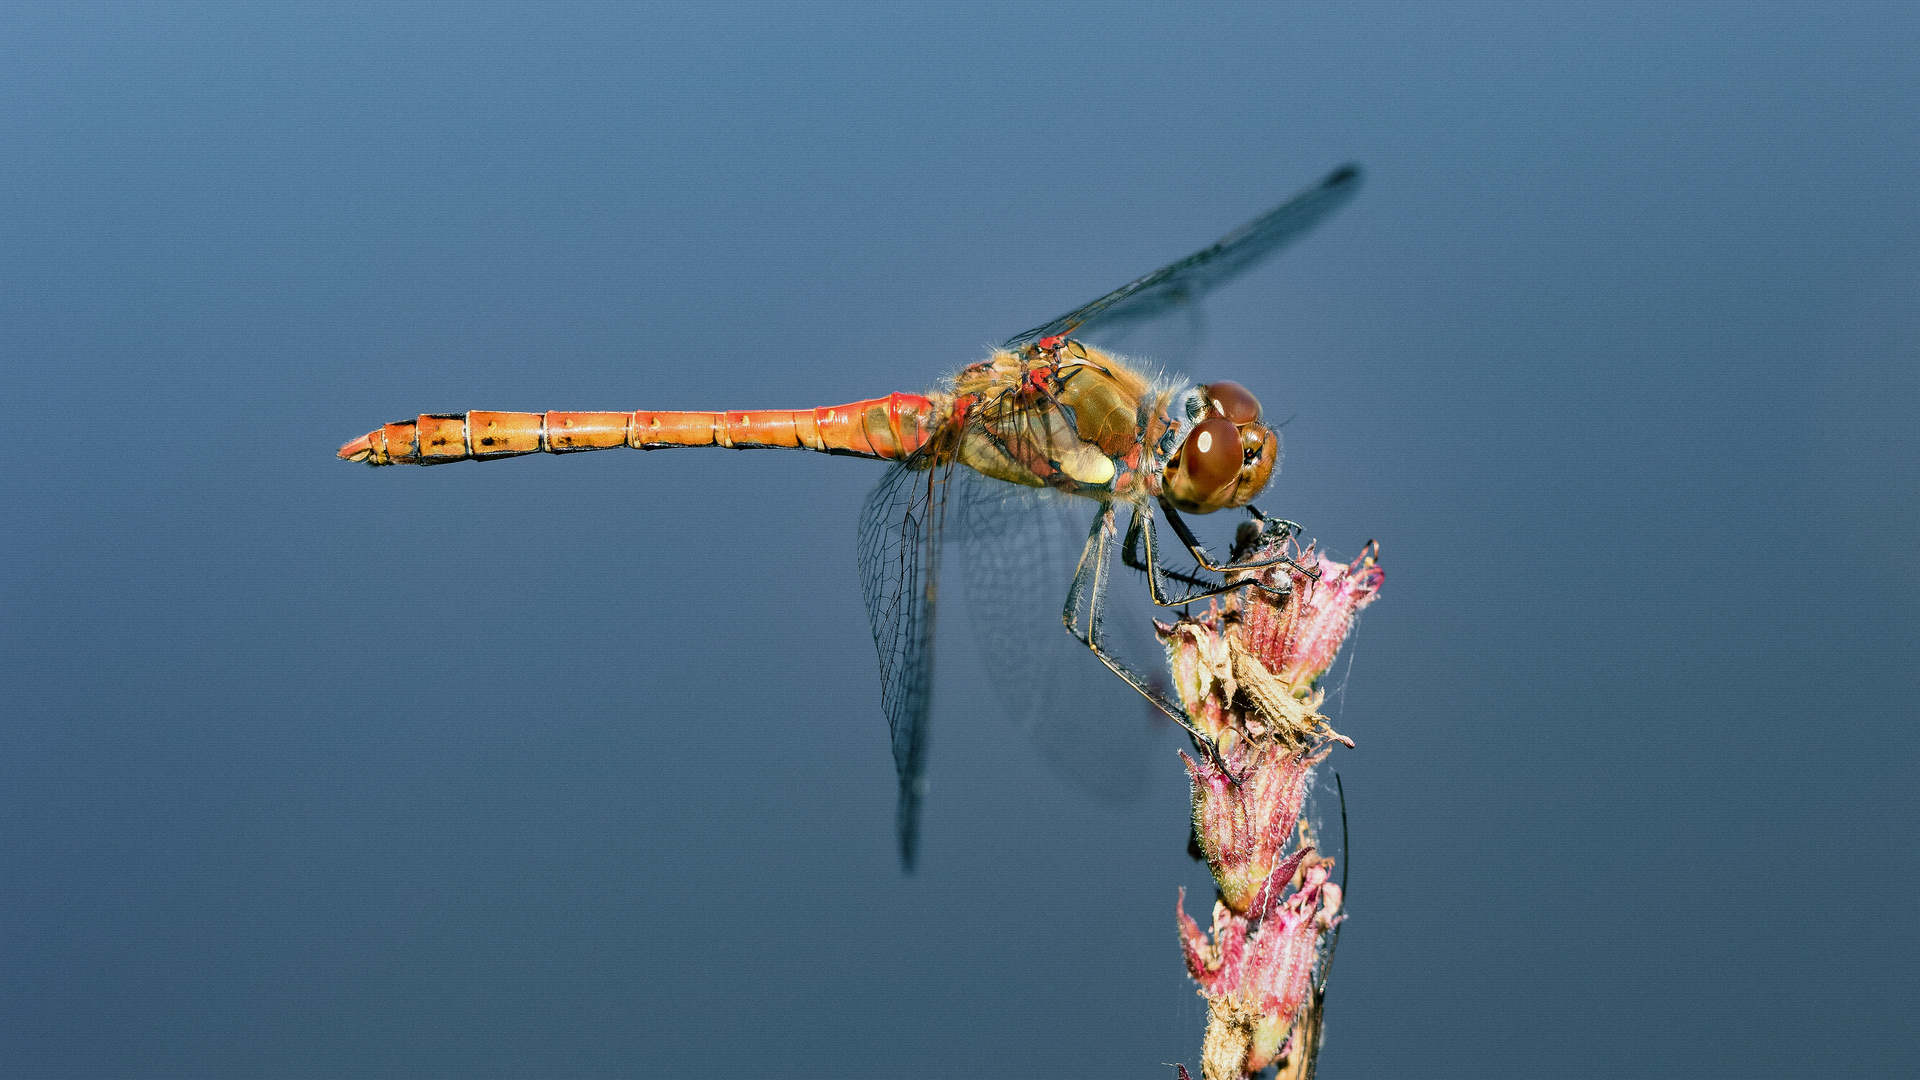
(1090, 589)
(1140, 532)
(1130, 554)
(1271, 529)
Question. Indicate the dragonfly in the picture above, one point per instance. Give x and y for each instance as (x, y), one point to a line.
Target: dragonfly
(1047, 414)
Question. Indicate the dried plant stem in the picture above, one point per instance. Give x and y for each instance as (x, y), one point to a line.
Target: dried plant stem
(1246, 671)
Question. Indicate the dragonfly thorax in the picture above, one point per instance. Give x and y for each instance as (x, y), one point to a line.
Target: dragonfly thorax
(1073, 418)
(1081, 420)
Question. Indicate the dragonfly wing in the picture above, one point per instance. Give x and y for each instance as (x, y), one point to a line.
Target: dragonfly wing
(1182, 284)
(1018, 548)
(1172, 339)
(899, 566)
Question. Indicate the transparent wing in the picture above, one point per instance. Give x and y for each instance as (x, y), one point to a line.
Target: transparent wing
(1018, 548)
(900, 527)
(1182, 284)
(1172, 340)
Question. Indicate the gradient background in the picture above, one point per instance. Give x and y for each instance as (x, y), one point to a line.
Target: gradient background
(1615, 353)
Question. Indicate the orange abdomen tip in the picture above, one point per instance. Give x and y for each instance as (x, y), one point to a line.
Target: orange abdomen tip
(359, 449)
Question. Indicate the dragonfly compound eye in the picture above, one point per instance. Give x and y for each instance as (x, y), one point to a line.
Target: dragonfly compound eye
(1202, 478)
(1261, 453)
(1234, 401)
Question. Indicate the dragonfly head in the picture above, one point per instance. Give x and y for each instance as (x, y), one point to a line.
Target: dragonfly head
(1228, 455)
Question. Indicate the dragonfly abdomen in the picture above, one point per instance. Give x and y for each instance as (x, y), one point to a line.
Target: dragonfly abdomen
(890, 427)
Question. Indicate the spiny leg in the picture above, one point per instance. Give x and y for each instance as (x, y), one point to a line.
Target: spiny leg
(1274, 528)
(1130, 554)
(1091, 574)
(1140, 532)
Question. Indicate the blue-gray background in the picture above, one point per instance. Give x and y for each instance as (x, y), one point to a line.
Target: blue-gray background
(576, 768)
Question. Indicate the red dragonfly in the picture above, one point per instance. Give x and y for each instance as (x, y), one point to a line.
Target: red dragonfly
(1046, 424)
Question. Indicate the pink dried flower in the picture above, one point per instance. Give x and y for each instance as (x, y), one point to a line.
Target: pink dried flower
(1244, 828)
(1245, 671)
(1280, 968)
(1201, 664)
(1256, 974)
(1297, 641)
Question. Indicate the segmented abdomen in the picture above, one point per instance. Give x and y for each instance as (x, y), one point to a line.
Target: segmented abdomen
(890, 427)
